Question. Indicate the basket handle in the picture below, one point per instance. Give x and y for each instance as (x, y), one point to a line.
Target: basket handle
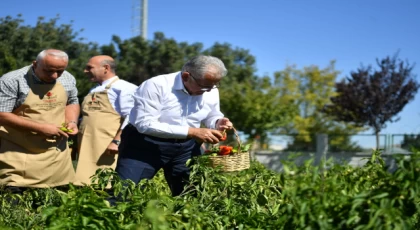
(237, 139)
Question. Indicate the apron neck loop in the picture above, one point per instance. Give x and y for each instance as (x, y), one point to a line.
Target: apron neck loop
(112, 82)
(30, 74)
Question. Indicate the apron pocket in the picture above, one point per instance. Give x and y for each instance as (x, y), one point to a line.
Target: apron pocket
(39, 144)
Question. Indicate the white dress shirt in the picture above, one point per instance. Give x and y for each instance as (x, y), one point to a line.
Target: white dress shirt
(120, 96)
(163, 108)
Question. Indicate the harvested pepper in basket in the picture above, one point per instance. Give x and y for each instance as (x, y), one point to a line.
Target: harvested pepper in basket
(220, 150)
(228, 158)
(225, 150)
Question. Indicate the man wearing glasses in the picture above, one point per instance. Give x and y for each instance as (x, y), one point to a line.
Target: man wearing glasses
(164, 130)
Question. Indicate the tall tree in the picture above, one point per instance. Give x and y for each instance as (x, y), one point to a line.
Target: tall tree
(309, 89)
(252, 103)
(239, 62)
(19, 45)
(256, 108)
(139, 60)
(374, 97)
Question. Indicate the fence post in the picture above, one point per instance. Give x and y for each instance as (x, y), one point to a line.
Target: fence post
(321, 148)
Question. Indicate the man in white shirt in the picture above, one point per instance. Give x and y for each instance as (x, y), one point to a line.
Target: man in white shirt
(104, 111)
(164, 130)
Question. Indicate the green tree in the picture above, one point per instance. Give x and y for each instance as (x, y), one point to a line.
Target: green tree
(9, 32)
(252, 103)
(139, 60)
(239, 62)
(310, 89)
(19, 45)
(411, 141)
(256, 112)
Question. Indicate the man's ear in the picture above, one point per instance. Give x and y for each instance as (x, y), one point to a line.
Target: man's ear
(35, 64)
(107, 67)
(185, 76)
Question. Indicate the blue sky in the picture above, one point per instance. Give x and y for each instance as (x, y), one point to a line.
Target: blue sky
(276, 32)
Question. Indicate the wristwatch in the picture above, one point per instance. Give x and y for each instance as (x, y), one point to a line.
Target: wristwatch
(117, 142)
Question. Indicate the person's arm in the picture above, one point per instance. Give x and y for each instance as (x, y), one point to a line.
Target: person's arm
(223, 124)
(72, 108)
(113, 147)
(215, 121)
(125, 102)
(215, 114)
(8, 99)
(147, 109)
(205, 135)
(146, 112)
(72, 116)
(122, 100)
(10, 119)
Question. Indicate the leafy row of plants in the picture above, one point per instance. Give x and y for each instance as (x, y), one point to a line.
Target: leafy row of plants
(301, 197)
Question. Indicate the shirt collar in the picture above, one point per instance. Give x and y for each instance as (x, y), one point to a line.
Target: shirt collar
(178, 84)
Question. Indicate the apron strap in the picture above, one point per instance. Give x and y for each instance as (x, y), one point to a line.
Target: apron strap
(106, 88)
(30, 74)
(112, 82)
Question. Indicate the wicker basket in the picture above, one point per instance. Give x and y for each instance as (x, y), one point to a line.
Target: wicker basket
(233, 162)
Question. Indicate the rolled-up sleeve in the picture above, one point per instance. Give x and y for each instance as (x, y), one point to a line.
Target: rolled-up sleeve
(72, 90)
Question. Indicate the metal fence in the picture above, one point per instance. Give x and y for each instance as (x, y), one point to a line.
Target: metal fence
(342, 149)
(390, 143)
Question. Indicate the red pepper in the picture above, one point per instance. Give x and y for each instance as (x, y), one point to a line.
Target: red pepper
(225, 150)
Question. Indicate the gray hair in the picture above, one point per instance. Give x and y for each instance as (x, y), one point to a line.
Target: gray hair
(111, 64)
(52, 52)
(199, 65)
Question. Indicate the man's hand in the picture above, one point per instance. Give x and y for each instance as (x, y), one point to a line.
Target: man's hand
(72, 126)
(112, 149)
(49, 130)
(52, 131)
(224, 123)
(205, 135)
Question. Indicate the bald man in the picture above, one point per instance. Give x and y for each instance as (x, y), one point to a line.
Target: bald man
(34, 103)
(104, 111)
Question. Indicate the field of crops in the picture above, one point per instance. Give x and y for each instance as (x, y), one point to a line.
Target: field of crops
(304, 197)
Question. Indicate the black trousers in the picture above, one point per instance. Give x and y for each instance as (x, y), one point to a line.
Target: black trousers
(142, 156)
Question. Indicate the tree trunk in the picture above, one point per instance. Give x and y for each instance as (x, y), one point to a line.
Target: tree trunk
(377, 140)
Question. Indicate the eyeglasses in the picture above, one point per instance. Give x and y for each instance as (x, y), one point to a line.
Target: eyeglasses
(205, 87)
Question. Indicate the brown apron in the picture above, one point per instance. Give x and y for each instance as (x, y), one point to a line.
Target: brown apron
(98, 128)
(28, 159)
